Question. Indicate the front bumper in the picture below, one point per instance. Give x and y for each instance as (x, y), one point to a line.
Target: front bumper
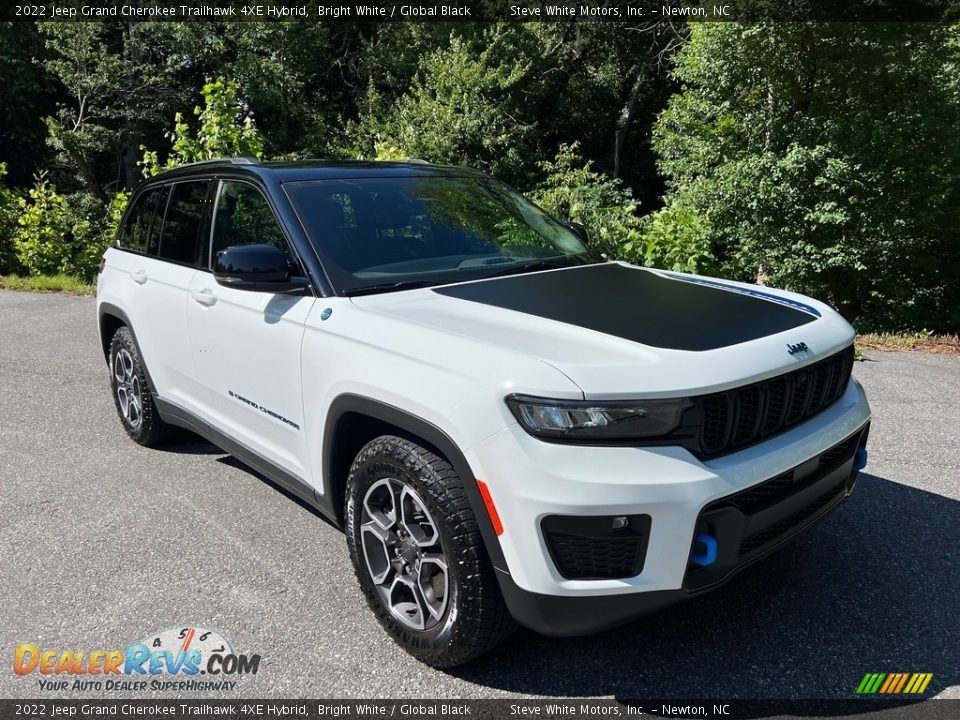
(530, 480)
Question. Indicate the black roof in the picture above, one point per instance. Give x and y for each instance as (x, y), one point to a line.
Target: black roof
(299, 170)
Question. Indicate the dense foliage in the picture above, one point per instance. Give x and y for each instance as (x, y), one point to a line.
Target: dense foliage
(812, 156)
(819, 157)
(9, 214)
(225, 131)
(573, 191)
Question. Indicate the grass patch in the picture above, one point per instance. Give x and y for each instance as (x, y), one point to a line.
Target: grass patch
(66, 284)
(922, 342)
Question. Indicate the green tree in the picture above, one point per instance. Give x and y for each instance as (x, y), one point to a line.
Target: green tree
(677, 237)
(9, 213)
(504, 96)
(93, 229)
(64, 234)
(28, 94)
(42, 242)
(608, 211)
(226, 129)
(301, 79)
(817, 157)
(116, 86)
(463, 107)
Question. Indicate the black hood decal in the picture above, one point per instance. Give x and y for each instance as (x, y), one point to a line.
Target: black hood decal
(638, 305)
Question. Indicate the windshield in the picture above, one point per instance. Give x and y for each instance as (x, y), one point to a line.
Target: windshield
(394, 232)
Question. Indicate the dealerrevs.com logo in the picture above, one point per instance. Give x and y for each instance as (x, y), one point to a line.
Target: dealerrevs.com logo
(188, 658)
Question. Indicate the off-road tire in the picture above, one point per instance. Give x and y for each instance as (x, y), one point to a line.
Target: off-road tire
(149, 429)
(475, 619)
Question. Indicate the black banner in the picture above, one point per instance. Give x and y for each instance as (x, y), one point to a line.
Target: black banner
(624, 11)
(420, 709)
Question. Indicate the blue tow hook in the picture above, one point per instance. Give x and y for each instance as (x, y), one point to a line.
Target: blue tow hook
(704, 550)
(860, 459)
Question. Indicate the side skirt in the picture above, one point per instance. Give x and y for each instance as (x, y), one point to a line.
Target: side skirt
(175, 415)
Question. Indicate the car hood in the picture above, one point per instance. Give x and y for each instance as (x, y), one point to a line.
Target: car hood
(619, 330)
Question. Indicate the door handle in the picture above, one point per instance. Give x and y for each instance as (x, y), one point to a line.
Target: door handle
(139, 276)
(204, 297)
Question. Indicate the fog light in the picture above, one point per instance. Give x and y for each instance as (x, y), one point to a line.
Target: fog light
(597, 547)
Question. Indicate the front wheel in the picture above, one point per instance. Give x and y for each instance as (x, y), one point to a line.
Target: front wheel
(417, 553)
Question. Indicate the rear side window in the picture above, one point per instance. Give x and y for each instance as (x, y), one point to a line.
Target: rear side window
(186, 211)
(141, 231)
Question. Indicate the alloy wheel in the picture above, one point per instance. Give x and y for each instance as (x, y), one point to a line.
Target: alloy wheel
(401, 546)
(128, 388)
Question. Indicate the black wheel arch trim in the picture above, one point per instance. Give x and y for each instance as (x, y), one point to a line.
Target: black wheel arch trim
(416, 428)
(106, 309)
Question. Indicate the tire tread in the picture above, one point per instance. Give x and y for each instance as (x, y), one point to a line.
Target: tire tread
(152, 429)
(486, 621)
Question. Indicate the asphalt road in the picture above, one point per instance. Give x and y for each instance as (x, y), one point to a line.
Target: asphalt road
(103, 542)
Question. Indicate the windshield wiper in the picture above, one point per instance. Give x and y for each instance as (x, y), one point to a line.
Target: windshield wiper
(529, 266)
(390, 286)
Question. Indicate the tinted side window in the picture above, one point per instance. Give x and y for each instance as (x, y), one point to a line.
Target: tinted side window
(141, 232)
(185, 214)
(244, 217)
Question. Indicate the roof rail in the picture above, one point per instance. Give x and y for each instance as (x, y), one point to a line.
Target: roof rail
(417, 161)
(232, 160)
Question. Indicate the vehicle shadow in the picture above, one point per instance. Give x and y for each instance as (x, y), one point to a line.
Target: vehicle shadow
(240, 465)
(184, 442)
(873, 588)
(188, 443)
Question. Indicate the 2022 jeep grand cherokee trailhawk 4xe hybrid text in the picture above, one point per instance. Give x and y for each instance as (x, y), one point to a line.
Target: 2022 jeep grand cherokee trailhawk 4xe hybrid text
(507, 431)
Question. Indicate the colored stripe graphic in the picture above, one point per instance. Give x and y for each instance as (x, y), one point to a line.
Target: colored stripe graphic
(918, 683)
(873, 682)
(899, 687)
(891, 680)
(894, 683)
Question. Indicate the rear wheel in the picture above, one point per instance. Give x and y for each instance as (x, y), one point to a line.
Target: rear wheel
(418, 556)
(131, 392)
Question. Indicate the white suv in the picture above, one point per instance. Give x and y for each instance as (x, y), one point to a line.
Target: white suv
(507, 431)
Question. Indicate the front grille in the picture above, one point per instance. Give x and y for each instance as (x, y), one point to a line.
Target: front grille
(597, 547)
(764, 494)
(775, 404)
(716, 419)
(757, 519)
(772, 491)
(838, 453)
(763, 537)
(738, 417)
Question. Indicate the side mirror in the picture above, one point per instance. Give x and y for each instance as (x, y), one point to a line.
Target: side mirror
(577, 229)
(259, 268)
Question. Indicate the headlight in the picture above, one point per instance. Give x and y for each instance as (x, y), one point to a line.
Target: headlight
(591, 420)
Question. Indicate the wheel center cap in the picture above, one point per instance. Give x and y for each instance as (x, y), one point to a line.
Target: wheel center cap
(408, 551)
